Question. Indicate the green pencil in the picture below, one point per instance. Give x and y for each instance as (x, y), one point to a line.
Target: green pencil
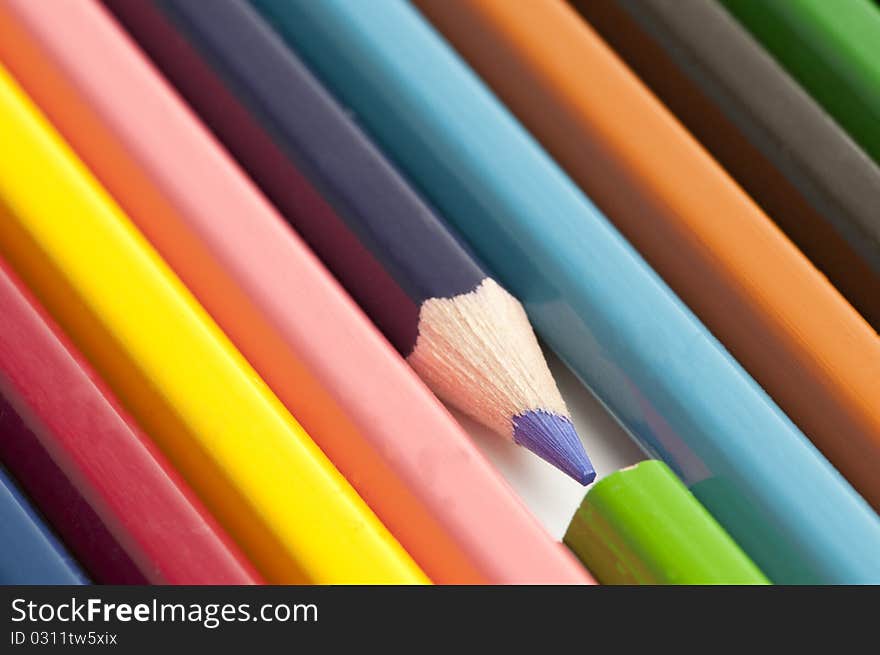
(832, 49)
(641, 525)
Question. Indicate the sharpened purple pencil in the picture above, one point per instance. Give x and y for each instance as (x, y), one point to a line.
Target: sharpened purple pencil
(466, 336)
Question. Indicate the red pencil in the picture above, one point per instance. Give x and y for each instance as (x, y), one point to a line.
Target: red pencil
(107, 491)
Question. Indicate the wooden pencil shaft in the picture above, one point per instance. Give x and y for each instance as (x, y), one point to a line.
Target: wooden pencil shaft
(770, 135)
(170, 365)
(589, 294)
(308, 340)
(31, 553)
(708, 239)
(385, 245)
(113, 498)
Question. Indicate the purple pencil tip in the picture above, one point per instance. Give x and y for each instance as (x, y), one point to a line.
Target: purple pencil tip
(553, 438)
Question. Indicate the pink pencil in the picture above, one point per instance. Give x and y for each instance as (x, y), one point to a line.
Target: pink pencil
(357, 398)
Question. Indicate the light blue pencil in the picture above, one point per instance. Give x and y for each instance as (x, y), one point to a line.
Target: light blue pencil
(588, 293)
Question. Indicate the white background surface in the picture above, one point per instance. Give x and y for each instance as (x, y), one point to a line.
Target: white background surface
(550, 494)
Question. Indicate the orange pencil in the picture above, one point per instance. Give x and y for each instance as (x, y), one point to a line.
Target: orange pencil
(753, 289)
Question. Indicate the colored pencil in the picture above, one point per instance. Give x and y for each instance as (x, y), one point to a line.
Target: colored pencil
(757, 293)
(29, 552)
(800, 166)
(250, 462)
(463, 334)
(641, 525)
(113, 498)
(411, 462)
(588, 292)
(832, 49)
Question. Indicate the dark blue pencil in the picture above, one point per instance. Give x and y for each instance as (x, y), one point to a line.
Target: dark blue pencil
(466, 336)
(29, 552)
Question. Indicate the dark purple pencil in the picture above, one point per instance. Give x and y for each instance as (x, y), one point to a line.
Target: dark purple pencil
(467, 338)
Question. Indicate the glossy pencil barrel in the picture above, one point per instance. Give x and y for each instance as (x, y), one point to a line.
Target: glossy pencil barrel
(641, 525)
(359, 208)
(781, 319)
(380, 240)
(31, 554)
(411, 462)
(105, 488)
(786, 152)
(589, 294)
(247, 458)
(832, 49)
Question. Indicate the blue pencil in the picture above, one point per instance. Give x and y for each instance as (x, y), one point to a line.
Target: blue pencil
(588, 293)
(467, 337)
(29, 553)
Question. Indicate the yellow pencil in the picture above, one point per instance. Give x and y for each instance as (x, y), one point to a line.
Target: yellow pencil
(236, 444)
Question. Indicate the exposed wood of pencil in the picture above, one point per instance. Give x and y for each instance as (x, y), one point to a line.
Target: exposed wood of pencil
(789, 327)
(307, 339)
(175, 371)
(587, 290)
(465, 335)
